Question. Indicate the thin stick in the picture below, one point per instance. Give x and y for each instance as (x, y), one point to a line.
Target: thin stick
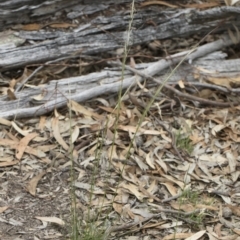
(180, 94)
(38, 69)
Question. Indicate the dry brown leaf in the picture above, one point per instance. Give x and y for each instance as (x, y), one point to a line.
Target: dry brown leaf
(32, 27)
(3, 209)
(196, 235)
(14, 145)
(57, 135)
(236, 230)
(217, 229)
(11, 95)
(128, 176)
(36, 152)
(232, 165)
(214, 159)
(225, 82)
(202, 5)
(109, 109)
(235, 209)
(174, 236)
(148, 194)
(42, 123)
(181, 84)
(133, 129)
(233, 1)
(62, 25)
(230, 237)
(195, 137)
(79, 109)
(12, 84)
(19, 130)
(180, 206)
(75, 134)
(152, 225)
(5, 122)
(159, 160)
(226, 223)
(6, 164)
(144, 212)
(133, 189)
(150, 160)
(22, 145)
(153, 188)
(140, 163)
(163, 3)
(172, 190)
(6, 159)
(207, 93)
(110, 135)
(170, 178)
(52, 219)
(204, 168)
(117, 207)
(32, 184)
(208, 207)
(217, 129)
(47, 148)
(117, 204)
(132, 62)
(112, 153)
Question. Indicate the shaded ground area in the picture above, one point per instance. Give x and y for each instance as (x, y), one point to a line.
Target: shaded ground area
(19, 220)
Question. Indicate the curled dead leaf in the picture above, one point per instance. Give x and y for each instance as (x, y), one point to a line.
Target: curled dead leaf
(32, 185)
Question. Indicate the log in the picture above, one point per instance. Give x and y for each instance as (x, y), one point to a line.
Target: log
(57, 93)
(101, 34)
(13, 12)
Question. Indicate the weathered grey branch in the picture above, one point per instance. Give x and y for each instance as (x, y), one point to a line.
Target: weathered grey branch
(103, 33)
(26, 11)
(86, 87)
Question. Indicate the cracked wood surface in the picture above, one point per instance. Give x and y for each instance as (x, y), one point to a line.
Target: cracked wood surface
(105, 34)
(83, 88)
(98, 35)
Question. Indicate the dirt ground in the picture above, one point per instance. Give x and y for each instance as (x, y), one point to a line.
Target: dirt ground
(19, 220)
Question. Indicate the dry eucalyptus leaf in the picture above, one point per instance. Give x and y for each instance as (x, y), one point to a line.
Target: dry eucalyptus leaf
(32, 184)
(23, 144)
(52, 220)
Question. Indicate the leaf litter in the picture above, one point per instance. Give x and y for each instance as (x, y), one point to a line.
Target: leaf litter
(137, 182)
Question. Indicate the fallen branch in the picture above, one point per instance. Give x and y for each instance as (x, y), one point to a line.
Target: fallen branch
(83, 88)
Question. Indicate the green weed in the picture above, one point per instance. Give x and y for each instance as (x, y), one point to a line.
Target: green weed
(183, 142)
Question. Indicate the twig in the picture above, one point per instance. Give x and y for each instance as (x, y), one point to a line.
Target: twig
(39, 68)
(220, 193)
(130, 225)
(180, 94)
(172, 198)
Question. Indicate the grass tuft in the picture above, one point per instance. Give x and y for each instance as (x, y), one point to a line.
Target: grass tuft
(183, 142)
